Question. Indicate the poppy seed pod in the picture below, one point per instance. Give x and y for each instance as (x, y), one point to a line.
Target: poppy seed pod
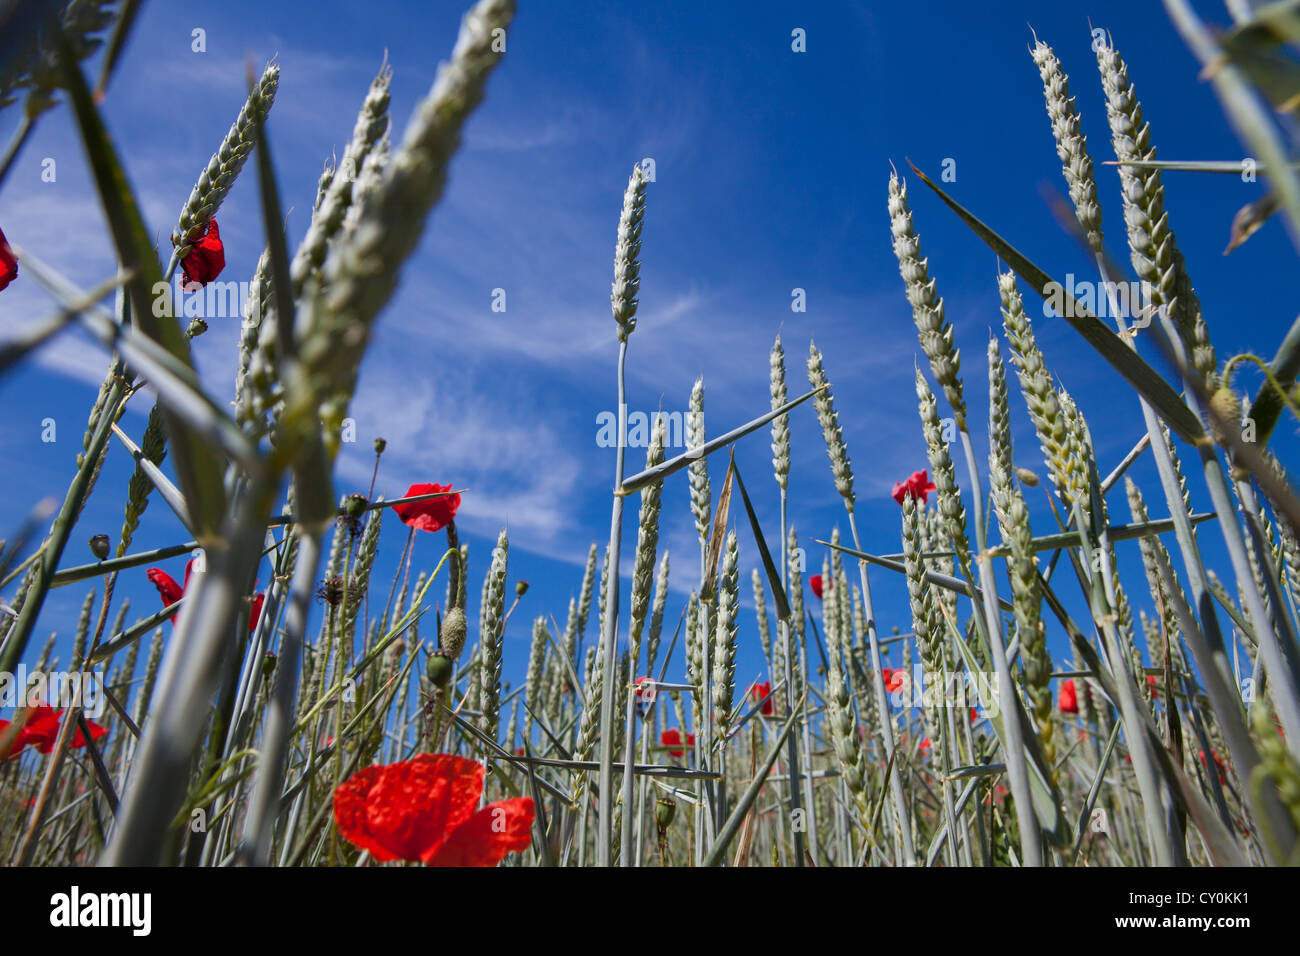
(452, 639)
(521, 588)
(440, 668)
(99, 546)
(354, 506)
(380, 445)
(268, 665)
(665, 810)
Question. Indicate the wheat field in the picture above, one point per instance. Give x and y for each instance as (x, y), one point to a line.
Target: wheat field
(1041, 703)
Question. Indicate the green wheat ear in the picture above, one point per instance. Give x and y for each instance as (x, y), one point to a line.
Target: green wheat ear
(1071, 144)
(1153, 249)
(701, 498)
(1022, 567)
(726, 632)
(627, 255)
(1054, 436)
(780, 424)
(832, 434)
(933, 329)
(944, 475)
(223, 168)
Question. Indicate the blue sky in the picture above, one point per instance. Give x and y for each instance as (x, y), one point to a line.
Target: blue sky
(770, 174)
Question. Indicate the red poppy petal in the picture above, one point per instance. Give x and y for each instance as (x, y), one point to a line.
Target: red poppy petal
(255, 612)
(412, 806)
(466, 779)
(431, 514)
(168, 589)
(214, 255)
(8, 264)
(350, 812)
(499, 828)
(96, 731)
(41, 728)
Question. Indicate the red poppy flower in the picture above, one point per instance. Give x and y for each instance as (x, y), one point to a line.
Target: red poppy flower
(168, 589)
(206, 259)
(171, 592)
(763, 692)
(917, 485)
(255, 611)
(640, 689)
(1218, 761)
(893, 678)
(925, 746)
(974, 715)
(1151, 682)
(1067, 701)
(815, 582)
(8, 264)
(431, 514)
(424, 809)
(42, 730)
(673, 738)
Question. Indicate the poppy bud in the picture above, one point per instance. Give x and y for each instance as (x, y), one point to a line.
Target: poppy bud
(268, 665)
(439, 668)
(197, 328)
(354, 506)
(665, 810)
(521, 588)
(454, 629)
(99, 546)
(380, 445)
(1224, 405)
